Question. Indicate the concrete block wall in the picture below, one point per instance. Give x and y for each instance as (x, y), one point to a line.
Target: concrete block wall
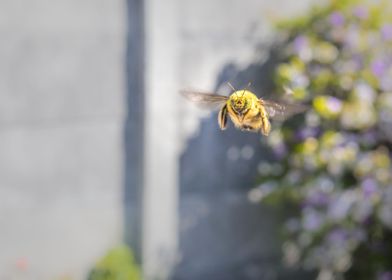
(61, 123)
(62, 111)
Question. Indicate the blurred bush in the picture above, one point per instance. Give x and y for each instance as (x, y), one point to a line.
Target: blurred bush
(118, 264)
(332, 165)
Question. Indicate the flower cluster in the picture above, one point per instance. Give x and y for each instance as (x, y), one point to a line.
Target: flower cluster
(333, 163)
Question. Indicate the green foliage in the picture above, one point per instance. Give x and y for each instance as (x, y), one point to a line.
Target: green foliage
(117, 264)
(334, 163)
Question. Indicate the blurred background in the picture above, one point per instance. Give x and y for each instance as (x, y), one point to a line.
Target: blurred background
(107, 173)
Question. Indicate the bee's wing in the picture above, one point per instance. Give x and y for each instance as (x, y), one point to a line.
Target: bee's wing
(205, 100)
(281, 110)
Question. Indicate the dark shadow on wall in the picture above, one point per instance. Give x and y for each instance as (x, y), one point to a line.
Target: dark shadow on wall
(208, 154)
(222, 234)
(134, 128)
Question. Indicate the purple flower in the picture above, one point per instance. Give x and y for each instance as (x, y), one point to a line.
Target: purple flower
(340, 207)
(307, 132)
(378, 68)
(385, 276)
(317, 198)
(337, 236)
(369, 187)
(280, 150)
(361, 12)
(336, 19)
(312, 220)
(300, 43)
(386, 32)
(334, 105)
(301, 47)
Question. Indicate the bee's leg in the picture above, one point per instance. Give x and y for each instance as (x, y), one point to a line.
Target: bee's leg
(222, 117)
(265, 126)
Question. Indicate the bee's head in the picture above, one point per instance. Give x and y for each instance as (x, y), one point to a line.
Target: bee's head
(239, 102)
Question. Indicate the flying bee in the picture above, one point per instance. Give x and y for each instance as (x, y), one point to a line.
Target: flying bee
(245, 109)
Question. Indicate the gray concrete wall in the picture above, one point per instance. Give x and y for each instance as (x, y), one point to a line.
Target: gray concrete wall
(63, 163)
(61, 123)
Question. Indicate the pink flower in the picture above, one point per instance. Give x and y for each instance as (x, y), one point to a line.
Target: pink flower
(361, 12)
(334, 104)
(378, 67)
(336, 19)
(386, 32)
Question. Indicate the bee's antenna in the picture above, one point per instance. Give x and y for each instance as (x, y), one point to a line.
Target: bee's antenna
(231, 86)
(246, 88)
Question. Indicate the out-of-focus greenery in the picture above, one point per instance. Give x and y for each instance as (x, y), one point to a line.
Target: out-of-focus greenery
(332, 164)
(117, 264)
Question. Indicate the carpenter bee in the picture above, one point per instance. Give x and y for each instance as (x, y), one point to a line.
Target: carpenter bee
(246, 110)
